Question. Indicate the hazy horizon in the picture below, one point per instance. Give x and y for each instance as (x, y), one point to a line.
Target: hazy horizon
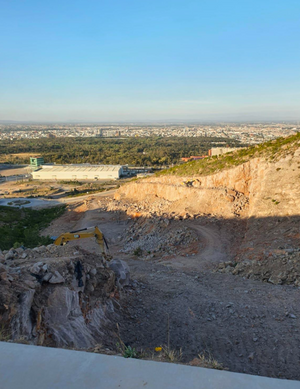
(149, 122)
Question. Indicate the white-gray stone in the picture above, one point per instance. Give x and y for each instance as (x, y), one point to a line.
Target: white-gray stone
(57, 278)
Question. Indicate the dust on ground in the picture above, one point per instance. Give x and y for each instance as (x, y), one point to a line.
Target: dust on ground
(247, 325)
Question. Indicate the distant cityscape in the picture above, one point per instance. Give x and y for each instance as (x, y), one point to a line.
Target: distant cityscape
(245, 133)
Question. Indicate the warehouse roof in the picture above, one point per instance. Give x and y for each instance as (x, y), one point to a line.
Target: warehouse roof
(81, 168)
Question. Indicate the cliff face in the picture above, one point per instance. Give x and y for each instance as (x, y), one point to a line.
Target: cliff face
(257, 188)
(262, 196)
(56, 296)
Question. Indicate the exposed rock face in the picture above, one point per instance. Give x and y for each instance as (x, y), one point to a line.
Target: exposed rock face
(58, 296)
(263, 195)
(174, 196)
(257, 188)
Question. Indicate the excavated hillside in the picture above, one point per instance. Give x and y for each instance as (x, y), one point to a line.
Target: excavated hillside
(261, 193)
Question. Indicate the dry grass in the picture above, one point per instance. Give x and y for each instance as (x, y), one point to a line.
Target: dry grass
(171, 355)
(206, 360)
(5, 335)
(165, 354)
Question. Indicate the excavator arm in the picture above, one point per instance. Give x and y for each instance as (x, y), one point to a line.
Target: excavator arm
(82, 234)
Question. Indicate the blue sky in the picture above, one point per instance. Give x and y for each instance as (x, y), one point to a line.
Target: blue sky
(129, 60)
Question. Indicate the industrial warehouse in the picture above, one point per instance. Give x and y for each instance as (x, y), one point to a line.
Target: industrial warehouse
(78, 172)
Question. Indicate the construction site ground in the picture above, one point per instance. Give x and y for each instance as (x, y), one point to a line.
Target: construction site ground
(248, 326)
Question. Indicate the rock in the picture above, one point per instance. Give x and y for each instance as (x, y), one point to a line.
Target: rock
(93, 272)
(90, 287)
(22, 322)
(36, 268)
(57, 278)
(30, 284)
(3, 276)
(65, 318)
(9, 255)
(24, 255)
(40, 301)
(121, 270)
(47, 277)
(42, 249)
(45, 267)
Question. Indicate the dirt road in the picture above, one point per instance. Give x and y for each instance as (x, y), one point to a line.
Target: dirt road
(248, 326)
(212, 250)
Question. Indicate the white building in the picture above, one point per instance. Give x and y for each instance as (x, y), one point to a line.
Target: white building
(78, 172)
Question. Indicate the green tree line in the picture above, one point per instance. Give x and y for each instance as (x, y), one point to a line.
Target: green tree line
(151, 151)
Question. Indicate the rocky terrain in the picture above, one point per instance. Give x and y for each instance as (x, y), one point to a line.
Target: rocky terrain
(278, 267)
(58, 296)
(150, 238)
(259, 200)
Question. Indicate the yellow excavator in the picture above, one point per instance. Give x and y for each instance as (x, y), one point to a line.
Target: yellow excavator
(82, 234)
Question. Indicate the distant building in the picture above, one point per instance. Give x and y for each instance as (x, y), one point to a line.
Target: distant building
(221, 150)
(36, 161)
(78, 172)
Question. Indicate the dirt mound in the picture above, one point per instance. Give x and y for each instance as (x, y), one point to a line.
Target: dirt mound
(57, 296)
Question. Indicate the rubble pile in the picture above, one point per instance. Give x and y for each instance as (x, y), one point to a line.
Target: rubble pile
(277, 267)
(149, 237)
(145, 208)
(239, 200)
(57, 296)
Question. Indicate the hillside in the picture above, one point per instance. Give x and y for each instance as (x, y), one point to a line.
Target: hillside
(260, 181)
(271, 151)
(253, 195)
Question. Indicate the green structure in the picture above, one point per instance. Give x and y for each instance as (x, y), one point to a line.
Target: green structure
(35, 162)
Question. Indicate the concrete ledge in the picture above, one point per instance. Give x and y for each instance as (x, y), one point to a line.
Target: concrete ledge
(31, 367)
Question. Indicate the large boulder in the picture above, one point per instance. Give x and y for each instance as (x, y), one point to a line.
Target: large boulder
(122, 272)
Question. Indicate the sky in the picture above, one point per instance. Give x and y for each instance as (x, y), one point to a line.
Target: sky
(149, 60)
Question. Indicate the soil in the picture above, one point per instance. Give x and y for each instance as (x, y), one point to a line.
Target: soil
(247, 325)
